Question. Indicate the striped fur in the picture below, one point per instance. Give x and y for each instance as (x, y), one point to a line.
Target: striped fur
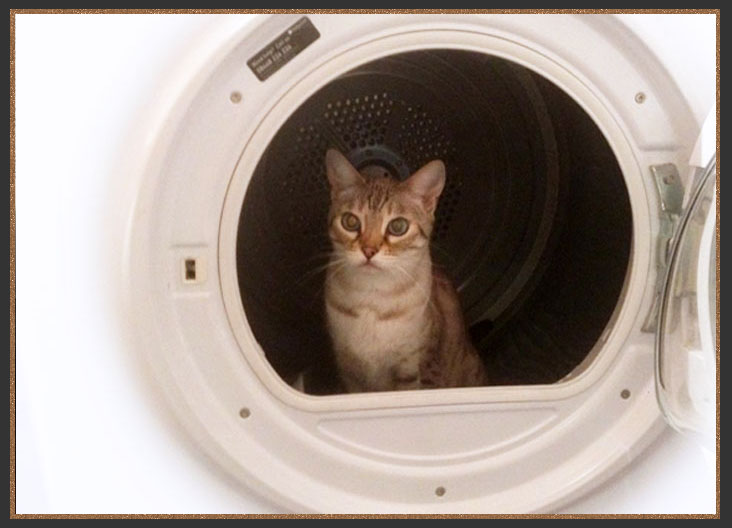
(395, 323)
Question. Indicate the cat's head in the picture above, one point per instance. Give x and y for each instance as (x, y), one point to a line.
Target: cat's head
(377, 222)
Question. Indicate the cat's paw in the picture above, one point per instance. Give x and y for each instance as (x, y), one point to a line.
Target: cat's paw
(406, 380)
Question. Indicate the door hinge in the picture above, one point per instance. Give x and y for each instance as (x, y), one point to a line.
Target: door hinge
(671, 199)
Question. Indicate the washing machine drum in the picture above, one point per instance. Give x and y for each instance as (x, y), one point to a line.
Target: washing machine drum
(533, 226)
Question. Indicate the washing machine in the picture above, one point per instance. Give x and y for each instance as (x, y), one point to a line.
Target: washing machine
(170, 200)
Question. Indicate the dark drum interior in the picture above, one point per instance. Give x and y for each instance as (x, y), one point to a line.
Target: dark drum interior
(534, 226)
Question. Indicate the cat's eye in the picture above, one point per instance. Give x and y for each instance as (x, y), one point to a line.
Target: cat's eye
(350, 222)
(398, 226)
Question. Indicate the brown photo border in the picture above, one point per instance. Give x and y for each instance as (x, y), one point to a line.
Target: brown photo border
(14, 12)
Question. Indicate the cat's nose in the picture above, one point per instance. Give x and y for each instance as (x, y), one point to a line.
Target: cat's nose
(369, 251)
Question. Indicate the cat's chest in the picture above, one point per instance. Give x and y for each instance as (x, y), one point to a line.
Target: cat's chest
(375, 326)
(368, 332)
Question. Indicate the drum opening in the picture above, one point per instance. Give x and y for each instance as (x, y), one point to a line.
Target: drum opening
(534, 226)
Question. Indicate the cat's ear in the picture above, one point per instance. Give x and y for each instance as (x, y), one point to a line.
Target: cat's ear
(427, 183)
(341, 174)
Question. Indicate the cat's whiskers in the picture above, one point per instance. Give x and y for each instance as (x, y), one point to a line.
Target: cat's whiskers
(417, 283)
(339, 266)
(334, 261)
(335, 267)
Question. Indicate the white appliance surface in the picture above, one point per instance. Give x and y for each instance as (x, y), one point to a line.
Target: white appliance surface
(93, 435)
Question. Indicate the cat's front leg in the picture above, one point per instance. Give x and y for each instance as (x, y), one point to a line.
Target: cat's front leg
(405, 374)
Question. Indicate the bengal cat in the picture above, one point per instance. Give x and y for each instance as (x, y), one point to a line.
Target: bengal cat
(394, 320)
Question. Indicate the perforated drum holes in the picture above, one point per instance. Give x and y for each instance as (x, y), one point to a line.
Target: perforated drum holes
(640, 98)
(245, 413)
(235, 97)
(361, 126)
(440, 491)
(625, 394)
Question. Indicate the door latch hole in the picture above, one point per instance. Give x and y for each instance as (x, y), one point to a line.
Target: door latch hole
(190, 270)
